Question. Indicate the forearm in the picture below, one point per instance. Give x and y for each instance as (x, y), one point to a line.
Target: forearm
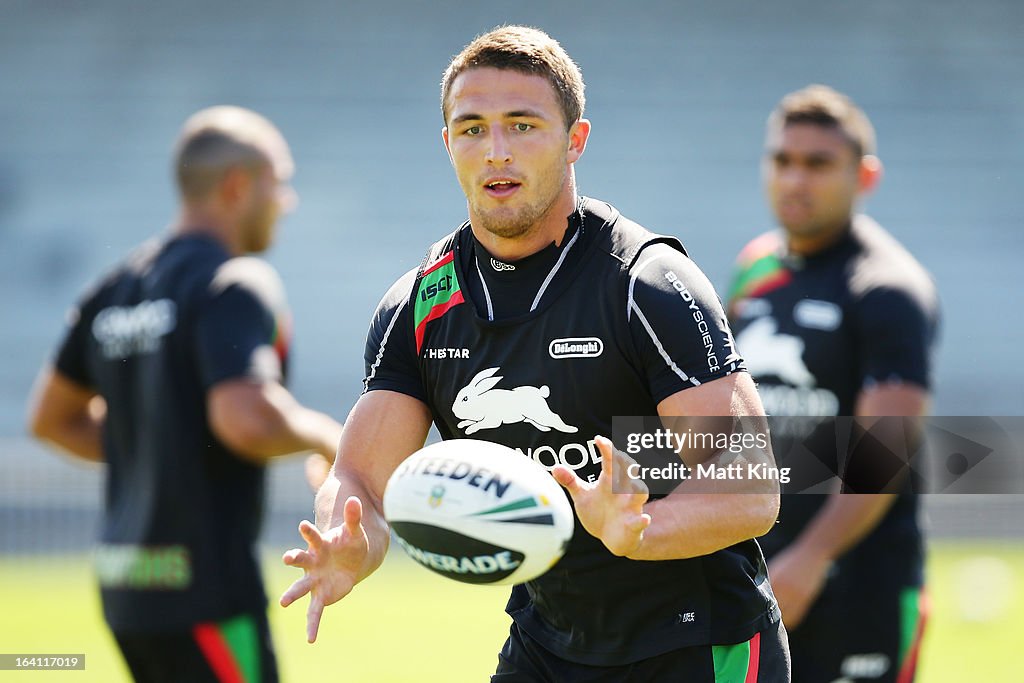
(300, 429)
(847, 518)
(687, 525)
(82, 439)
(842, 523)
(260, 421)
(704, 515)
(77, 430)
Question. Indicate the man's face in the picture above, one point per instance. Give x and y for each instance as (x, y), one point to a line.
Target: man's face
(812, 178)
(271, 197)
(507, 140)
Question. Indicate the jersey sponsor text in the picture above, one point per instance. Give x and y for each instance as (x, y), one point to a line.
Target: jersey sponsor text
(124, 331)
(698, 317)
(576, 347)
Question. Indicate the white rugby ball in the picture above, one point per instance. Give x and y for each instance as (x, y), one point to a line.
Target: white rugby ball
(478, 512)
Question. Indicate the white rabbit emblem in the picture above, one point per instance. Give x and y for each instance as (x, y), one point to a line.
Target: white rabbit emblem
(480, 406)
(768, 352)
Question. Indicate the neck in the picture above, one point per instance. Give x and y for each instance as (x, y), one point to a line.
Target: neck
(201, 220)
(808, 245)
(547, 229)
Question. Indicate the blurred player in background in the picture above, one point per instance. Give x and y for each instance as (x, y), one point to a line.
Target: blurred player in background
(171, 372)
(835, 317)
(649, 590)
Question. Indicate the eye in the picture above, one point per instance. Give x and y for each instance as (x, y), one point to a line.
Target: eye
(465, 398)
(473, 130)
(522, 127)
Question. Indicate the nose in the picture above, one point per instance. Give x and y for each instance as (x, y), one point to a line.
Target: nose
(791, 176)
(498, 150)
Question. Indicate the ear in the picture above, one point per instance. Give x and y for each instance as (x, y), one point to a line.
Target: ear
(483, 374)
(869, 173)
(235, 185)
(485, 384)
(447, 144)
(578, 135)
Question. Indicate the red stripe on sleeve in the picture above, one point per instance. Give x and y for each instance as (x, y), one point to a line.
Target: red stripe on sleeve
(218, 654)
(908, 667)
(755, 659)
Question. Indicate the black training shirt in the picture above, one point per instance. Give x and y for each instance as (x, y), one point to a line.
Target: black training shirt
(602, 325)
(178, 541)
(815, 331)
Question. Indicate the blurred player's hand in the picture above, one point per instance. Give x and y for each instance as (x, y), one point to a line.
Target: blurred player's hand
(317, 470)
(330, 565)
(612, 508)
(797, 577)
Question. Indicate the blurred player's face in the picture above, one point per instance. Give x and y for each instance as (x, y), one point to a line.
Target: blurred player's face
(812, 178)
(507, 139)
(271, 196)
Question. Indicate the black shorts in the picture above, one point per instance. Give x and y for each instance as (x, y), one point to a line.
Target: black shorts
(762, 659)
(236, 649)
(866, 634)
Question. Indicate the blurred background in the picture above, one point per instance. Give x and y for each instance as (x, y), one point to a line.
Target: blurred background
(92, 95)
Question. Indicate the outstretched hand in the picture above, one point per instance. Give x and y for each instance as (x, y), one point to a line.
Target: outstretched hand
(331, 564)
(612, 508)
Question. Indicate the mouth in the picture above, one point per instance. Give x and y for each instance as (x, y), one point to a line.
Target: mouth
(500, 188)
(796, 206)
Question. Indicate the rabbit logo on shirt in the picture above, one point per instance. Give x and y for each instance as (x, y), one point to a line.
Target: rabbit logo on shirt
(479, 405)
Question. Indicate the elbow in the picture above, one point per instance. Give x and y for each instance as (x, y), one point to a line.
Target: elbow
(38, 427)
(242, 418)
(248, 435)
(764, 513)
(247, 439)
(43, 424)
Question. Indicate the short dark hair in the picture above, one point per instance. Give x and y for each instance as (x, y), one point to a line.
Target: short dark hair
(529, 51)
(218, 138)
(824, 106)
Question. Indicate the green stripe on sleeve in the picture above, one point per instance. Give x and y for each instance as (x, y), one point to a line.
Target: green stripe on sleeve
(243, 641)
(762, 268)
(910, 617)
(731, 662)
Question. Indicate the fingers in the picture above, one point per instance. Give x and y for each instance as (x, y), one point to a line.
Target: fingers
(311, 535)
(317, 469)
(296, 590)
(607, 456)
(635, 486)
(296, 557)
(567, 478)
(616, 470)
(313, 614)
(353, 515)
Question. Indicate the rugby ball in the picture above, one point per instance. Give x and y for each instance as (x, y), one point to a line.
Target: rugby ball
(478, 512)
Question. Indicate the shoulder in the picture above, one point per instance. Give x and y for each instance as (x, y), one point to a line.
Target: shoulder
(621, 238)
(663, 276)
(885, 269)
(133, 265)
(252, 275)
(660, 265)
(399, 292)
(768, 244)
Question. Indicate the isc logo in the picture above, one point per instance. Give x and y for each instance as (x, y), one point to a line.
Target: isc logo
(434, 288)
